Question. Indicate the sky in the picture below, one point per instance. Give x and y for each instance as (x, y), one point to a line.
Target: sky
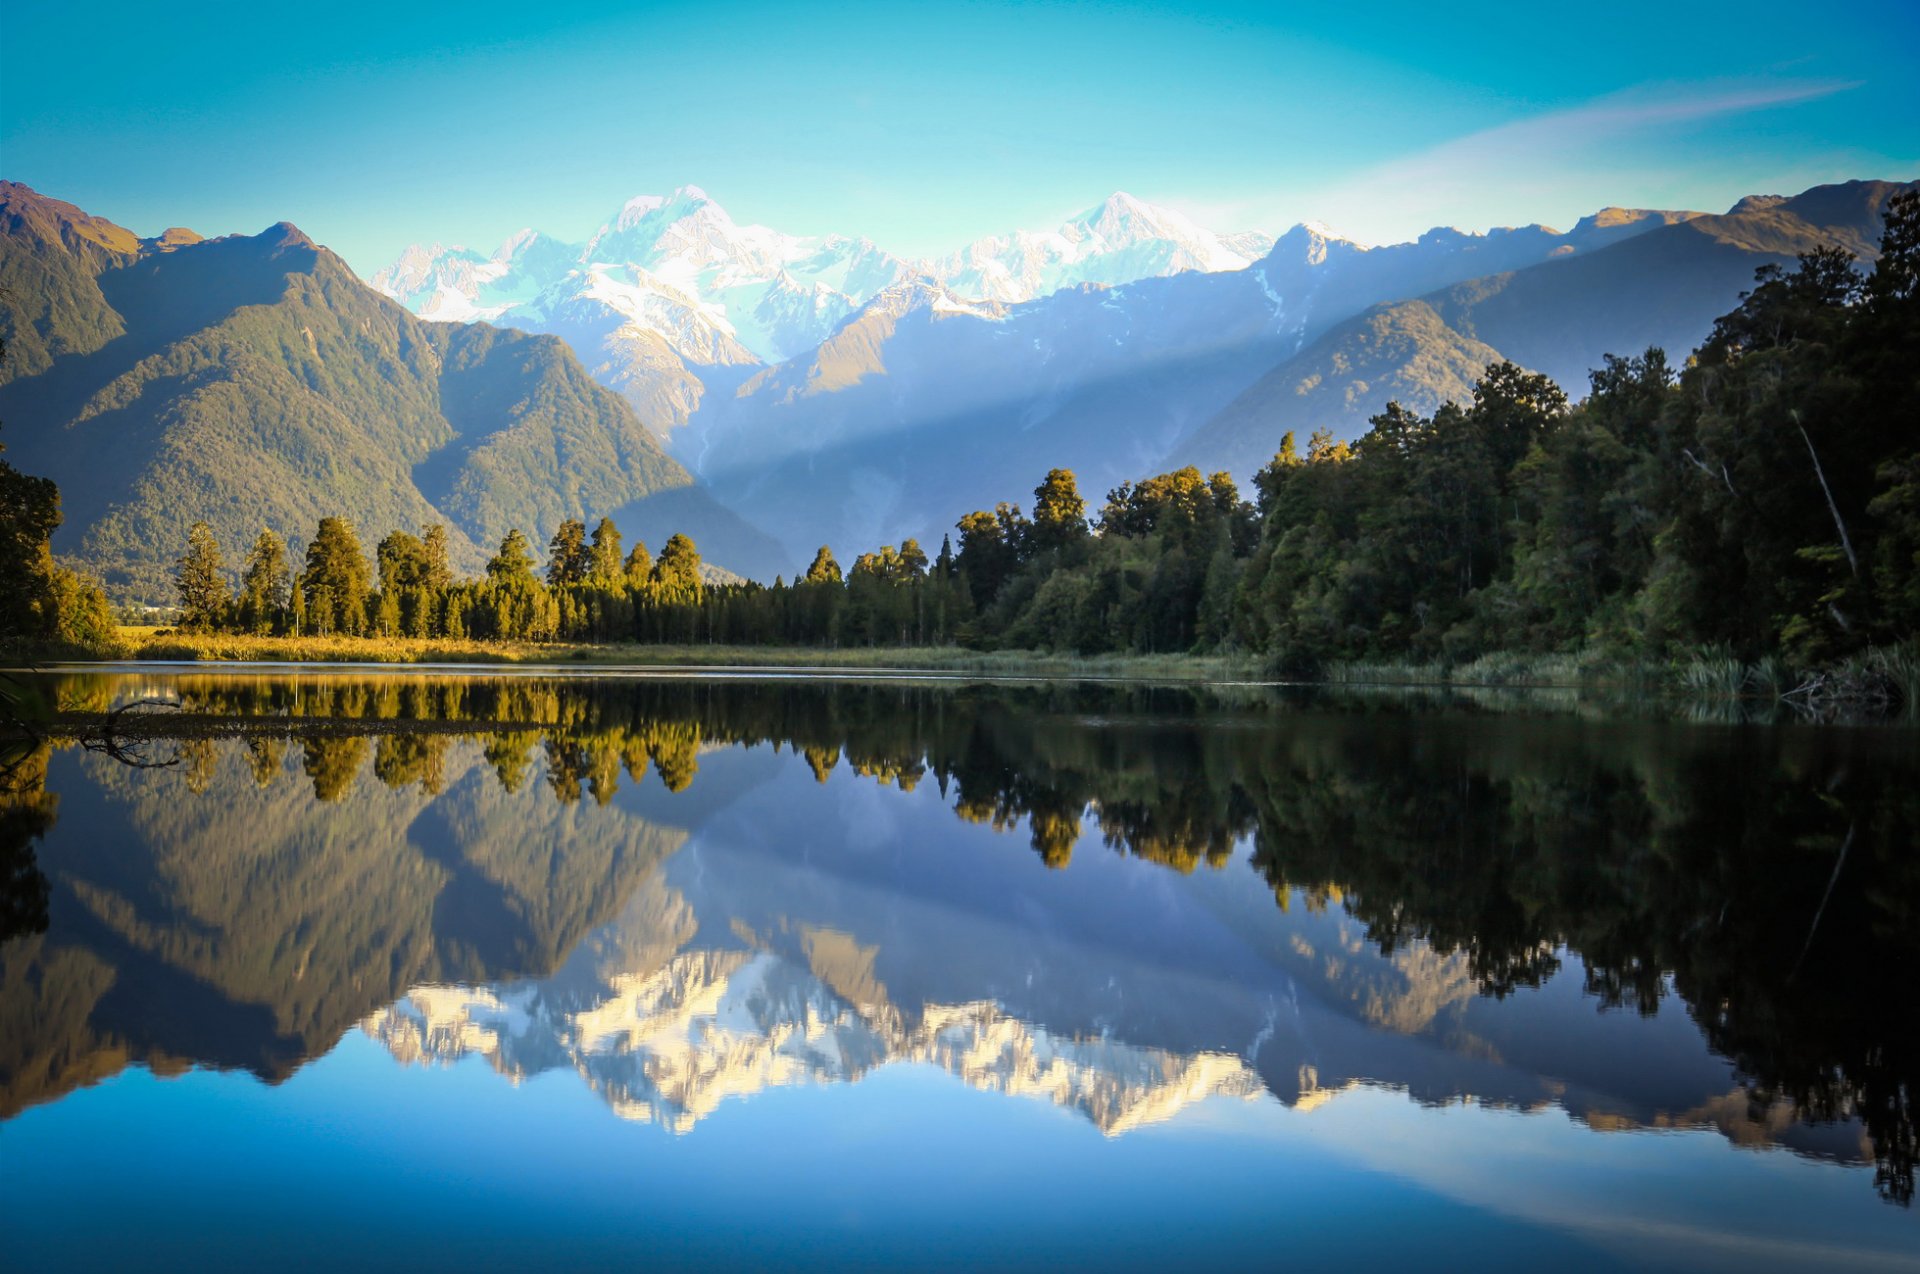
(926, 125)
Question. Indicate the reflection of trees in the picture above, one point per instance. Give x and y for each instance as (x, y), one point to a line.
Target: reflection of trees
(26, 812)
(1766, 878)
(1654, 855)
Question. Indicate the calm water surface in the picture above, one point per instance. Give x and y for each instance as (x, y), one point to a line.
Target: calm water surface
(388, 970)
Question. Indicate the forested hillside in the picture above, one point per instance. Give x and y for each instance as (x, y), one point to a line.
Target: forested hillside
(253, 382)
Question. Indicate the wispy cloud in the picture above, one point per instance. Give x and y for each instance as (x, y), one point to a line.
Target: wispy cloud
(1539, 160)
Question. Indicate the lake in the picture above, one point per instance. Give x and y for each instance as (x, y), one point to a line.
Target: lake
(395, 968)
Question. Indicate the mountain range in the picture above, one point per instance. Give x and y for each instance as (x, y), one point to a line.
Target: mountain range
(1127, 341)
(767, 393)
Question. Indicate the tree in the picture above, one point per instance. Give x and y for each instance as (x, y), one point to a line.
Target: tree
(677, 573)
(200, 578)
(264, 585)
(604, 565)
(639, 566)
(567, 556)
(824, 569)
(335, 583)
(513, 564)
(1059, 514)
(439, 574)
(29, 515)
(992, 546)
(405, 602)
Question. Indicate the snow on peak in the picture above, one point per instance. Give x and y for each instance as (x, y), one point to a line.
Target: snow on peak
(1120, 240)
(679, 267)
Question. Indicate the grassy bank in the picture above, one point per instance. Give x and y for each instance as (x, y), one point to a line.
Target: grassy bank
(164, 644)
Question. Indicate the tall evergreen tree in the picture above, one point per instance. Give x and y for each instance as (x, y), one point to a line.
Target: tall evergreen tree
(264, 585)
(568, 561)
(1059, 512)
(513, 564)
(604, 564)
(639, 567)
(200, 578)
(336, 580)
(824, 569)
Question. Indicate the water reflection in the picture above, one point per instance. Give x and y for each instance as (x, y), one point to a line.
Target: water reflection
(620, 879)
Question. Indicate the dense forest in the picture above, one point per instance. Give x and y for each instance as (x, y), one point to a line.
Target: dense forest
(1760, 502)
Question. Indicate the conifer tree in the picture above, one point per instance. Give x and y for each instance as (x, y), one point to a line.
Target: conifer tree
(513, 564)
(604, 565)
(201, 581)
(265, 584)
(567, 559)
(1059, 513)
(639, 566)
(824, 569)
(336, 580)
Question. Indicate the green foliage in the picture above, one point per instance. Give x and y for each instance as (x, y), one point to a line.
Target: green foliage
(29, 514)
(1763, 502)
(335, 584)
(264, 586)
(569, 561)
(1059, 513)
(200, 579)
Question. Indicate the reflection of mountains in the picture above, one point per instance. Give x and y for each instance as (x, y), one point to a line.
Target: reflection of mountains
(670, 1046)
(1747, 893)
(251, 924)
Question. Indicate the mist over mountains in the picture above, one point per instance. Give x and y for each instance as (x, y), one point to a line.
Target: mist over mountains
(767, 393)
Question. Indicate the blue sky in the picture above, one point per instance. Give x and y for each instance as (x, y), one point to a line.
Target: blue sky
(926, 125)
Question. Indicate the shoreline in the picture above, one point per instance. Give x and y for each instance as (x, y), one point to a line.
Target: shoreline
(1687, 680)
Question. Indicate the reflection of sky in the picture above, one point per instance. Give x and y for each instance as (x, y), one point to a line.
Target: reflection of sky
(356, 1160)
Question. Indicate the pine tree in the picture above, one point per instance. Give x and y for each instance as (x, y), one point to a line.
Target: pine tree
(824, 569)
(1059, 513)
(264, 586)
(567, 559)
(336, 580)
(604, 565)
(513, 564)
(201, 581)
(639, 567)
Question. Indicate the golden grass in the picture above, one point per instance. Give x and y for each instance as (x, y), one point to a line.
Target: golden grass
(143, 644)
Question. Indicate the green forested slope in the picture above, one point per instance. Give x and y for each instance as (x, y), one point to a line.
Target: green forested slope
(254, 382)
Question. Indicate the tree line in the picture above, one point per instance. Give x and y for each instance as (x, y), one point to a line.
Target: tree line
(591, 588)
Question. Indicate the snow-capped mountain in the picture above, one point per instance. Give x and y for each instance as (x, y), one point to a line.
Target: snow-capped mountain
(1119, 241)
(717, 293)
(671, 288)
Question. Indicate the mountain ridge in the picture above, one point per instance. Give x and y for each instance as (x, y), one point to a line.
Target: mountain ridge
(254, 381)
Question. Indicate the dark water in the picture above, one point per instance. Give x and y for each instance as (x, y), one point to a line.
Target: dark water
(395, 971)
